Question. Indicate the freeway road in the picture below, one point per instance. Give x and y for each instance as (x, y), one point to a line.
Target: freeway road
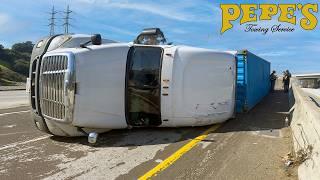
(10, 99)
(248, 147)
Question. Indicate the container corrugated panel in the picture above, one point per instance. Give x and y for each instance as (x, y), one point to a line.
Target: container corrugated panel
(253, 82)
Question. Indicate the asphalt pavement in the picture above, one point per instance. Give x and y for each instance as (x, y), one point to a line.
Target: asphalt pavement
(10, 99)
(250, 146)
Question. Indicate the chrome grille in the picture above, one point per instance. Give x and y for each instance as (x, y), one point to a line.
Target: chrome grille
(52, 76)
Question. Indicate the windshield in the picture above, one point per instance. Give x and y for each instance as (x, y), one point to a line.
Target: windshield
(75, 42)
(58, 41)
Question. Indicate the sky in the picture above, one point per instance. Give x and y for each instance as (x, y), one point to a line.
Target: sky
(184, 22)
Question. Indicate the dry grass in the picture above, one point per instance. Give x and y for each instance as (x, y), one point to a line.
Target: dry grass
(293, 160)
(9, 77)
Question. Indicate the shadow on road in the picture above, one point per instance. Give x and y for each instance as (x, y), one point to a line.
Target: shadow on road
(270, 114)
(138, 137)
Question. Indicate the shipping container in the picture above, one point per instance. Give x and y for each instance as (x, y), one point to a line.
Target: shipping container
(253, 82)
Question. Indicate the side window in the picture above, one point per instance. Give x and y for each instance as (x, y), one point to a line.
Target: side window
(143, 86)
(145, 67)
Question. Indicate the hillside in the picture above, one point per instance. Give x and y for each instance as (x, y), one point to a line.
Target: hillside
(14, 63)
(9, 77)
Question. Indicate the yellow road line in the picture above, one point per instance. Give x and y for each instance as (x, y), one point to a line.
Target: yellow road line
(175, 156)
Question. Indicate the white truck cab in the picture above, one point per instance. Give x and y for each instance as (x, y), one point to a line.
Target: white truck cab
(94, 88)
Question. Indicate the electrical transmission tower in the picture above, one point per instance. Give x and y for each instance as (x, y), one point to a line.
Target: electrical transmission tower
(52, 21)
(67, 18)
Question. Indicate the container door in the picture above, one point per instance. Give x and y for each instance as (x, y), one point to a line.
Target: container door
(241, 83)
(143, 86)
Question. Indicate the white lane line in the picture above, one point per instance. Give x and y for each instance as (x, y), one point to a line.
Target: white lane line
(18, 112)
(23, 132)
(23, 142)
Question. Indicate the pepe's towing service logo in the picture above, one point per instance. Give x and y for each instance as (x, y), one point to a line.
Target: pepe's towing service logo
(248, 15)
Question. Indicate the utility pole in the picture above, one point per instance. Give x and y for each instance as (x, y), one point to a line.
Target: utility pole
(67, 18)
(52, 21)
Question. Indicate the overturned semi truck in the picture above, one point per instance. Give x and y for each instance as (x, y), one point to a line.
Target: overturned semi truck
(81, 84)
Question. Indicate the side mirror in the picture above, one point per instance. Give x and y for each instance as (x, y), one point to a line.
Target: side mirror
(96, 39)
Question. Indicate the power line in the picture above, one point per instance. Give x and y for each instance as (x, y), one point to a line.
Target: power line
(52, 21)
(67, 18)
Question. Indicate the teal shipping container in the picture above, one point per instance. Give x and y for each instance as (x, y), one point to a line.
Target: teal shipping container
(253, 82)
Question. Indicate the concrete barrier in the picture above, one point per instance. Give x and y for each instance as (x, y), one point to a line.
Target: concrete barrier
(305, 125)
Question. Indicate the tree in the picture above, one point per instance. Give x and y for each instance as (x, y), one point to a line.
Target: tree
(1, 49)
(16, 59)
(1, 72)
(25, 47)
(21, 67)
